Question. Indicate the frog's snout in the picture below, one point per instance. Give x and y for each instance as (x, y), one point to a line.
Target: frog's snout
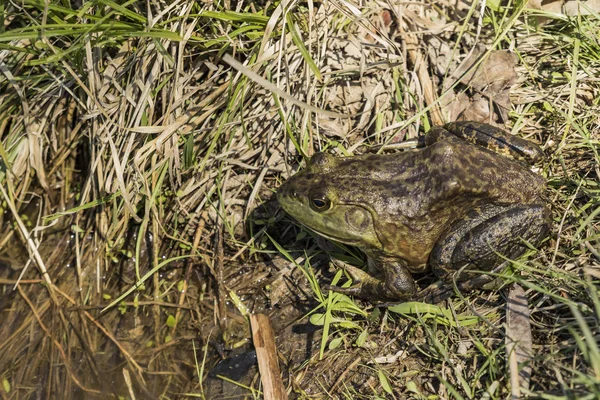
(287, 195)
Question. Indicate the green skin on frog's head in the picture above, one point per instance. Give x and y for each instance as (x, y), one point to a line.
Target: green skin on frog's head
(316, 204)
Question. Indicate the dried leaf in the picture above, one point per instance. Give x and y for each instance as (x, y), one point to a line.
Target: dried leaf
(568, 8)
(490, 79)
(495, 74)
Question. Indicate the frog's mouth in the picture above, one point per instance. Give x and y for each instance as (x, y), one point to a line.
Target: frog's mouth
(344, 240)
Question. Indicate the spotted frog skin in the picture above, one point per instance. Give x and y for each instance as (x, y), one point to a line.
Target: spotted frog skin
(466, 201)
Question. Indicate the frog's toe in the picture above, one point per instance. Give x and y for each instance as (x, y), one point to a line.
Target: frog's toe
(358, 277)
(355, 290)
(357, 274)
(369, 287)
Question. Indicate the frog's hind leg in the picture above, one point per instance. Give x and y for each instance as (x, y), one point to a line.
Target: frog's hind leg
(489, 137)
(485, 238)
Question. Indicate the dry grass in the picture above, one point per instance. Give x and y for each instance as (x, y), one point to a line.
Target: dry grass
(138, 172)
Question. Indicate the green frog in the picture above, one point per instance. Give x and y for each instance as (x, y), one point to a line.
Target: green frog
(466, 201)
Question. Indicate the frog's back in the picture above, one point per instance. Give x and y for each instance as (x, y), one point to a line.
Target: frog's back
(459, 169)
(412, 184)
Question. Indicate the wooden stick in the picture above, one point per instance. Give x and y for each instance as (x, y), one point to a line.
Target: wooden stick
(266, 353)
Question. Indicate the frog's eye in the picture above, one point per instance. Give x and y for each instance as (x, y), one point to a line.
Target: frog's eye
(320, 203)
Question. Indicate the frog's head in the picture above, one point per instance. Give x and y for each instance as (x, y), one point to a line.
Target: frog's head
(314, 199)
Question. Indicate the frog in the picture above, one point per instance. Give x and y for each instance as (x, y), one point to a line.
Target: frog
(463, 203)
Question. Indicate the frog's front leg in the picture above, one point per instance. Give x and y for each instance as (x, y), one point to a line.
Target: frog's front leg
(484, 238)
(396, 284)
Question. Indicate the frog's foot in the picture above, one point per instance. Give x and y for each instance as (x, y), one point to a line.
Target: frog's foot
(440, 291)
(361, 278)
(397, 284)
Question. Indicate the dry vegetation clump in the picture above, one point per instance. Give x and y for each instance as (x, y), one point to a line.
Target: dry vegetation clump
(138, 169)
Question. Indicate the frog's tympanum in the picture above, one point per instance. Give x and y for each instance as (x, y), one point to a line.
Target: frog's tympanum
(467, 201)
